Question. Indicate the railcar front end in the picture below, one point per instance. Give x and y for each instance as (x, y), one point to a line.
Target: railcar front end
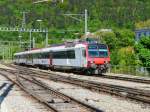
(98, 58)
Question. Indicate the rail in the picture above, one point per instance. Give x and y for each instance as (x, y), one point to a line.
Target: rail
(131, 70)
(127, 92)
(55, 100)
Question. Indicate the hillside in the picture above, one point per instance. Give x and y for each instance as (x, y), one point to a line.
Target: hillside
(120, 15)
(102, 14)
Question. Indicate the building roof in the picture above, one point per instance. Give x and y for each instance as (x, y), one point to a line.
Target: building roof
(141, 30)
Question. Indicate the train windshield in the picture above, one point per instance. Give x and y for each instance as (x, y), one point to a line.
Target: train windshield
(93, 53)
(98, 51)
(103, 53)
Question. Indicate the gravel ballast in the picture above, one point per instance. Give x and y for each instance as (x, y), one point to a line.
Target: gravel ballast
(130, 84)
(15, 100)
(102, 101)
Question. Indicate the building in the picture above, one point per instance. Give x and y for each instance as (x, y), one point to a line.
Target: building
(142, 32)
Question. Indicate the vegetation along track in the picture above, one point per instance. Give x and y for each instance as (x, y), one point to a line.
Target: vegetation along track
(127, 92)
(55, 100)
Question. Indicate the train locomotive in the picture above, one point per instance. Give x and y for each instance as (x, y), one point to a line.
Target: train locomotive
(87, 57)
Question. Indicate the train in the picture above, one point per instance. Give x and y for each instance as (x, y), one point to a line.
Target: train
(82, 56)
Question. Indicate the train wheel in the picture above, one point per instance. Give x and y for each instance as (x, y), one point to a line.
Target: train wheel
(100, 72)
(88, 72)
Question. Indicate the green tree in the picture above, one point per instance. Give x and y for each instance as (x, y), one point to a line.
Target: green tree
(108, 38)
(125, 37)
(142, 49)
(127, 56)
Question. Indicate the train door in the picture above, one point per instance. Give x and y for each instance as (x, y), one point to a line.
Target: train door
(83, 57)
(51, 58)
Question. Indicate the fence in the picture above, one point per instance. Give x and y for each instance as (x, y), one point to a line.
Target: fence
(132, 70)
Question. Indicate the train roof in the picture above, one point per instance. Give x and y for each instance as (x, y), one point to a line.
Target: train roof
(56, 47)
(52, 48)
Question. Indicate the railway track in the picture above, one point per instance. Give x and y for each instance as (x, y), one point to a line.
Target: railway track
(126, 92)
(55, 100)
(122, 91)
(138, 80)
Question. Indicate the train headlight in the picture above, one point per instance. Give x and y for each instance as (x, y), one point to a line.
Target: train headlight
(105, 61)
(90, 63)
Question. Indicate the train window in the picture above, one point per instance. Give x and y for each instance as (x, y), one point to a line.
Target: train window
(42, 55)
(51, 54)
(34, 56)
(64, 54)
(20, 56)
(93, 53)
(55, 55)
(92, 47)
(97, 46)
(24, 56)
(29, 56)
(103, 54)
(71, 54)
(45, 55)
(102, 46)
(60, 55)
(38, 55)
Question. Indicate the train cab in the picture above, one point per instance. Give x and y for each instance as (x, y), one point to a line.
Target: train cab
(98, 57)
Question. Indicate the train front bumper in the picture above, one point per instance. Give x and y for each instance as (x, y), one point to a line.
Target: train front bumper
(100, 68)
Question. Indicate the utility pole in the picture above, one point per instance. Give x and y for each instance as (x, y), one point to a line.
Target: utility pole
(46, 45)
(30, 40)
(22, 26)
(20, 40)
(33, 42)
(9, 50)
(24, 19)
(86, 16)
(3, 53)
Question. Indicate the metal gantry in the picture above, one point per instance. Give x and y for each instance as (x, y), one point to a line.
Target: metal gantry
(41, 1)
(7, 48)
(11, 29)
(85, 20)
